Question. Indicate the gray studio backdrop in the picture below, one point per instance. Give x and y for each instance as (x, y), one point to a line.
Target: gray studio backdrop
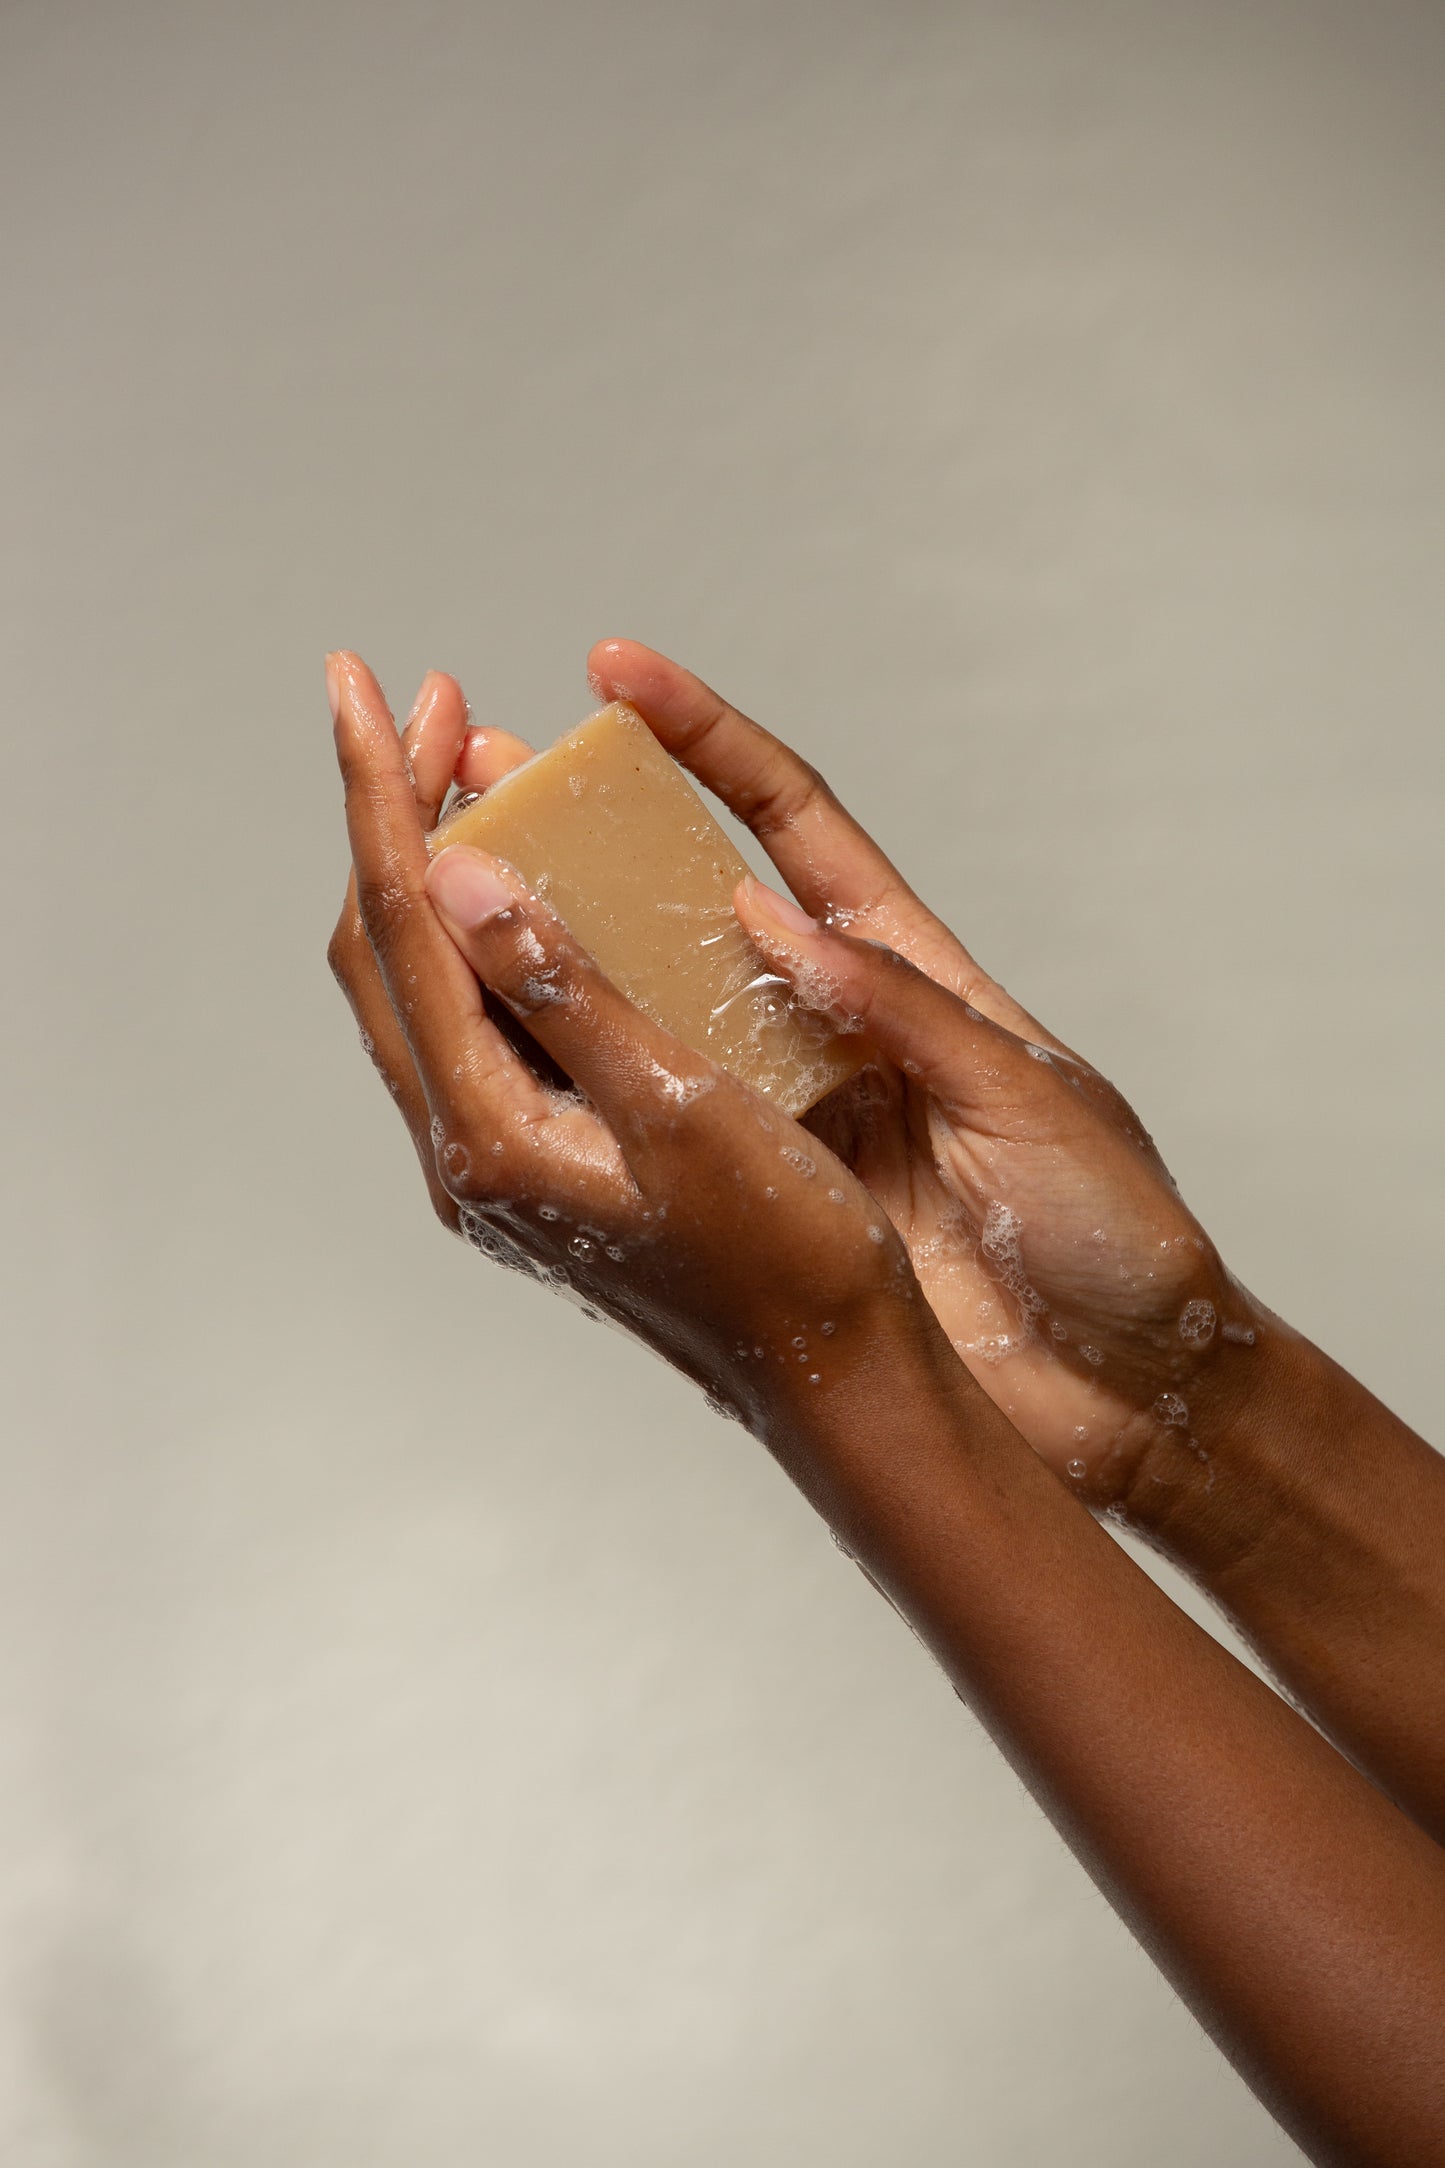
(426, 1734)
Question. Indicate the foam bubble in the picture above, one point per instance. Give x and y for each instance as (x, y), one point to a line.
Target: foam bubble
(1196, 1322)
(679, 1089)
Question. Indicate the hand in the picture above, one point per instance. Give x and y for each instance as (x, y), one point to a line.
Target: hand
(1042, 1224)
(670, 1196)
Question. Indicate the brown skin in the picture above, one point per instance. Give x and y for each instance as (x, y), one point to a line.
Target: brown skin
(1300, 1914)
(1301, 1505)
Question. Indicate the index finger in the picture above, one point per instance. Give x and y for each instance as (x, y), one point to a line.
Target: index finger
(829, 861)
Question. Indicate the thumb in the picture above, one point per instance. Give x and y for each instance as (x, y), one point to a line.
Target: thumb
(861, 986)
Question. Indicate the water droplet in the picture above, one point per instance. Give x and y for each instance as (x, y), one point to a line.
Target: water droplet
(1094, 1355)
(616, 1252)
(1058, 1328)
(835, 1196)
(828, 1326)
(1077, 1469)
(875, 1234)
(800, 1341)
(547, 1212)
(581, 1247)
(1081, 1431)
(814, 1378)
(1169, 1408)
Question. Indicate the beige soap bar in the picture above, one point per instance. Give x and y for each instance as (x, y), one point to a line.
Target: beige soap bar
(607, 829)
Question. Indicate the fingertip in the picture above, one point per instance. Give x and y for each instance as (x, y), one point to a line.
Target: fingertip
(765, 908)
(470, 887)
(353, 689)
(487, 755)
(628, 670)
(608, 674)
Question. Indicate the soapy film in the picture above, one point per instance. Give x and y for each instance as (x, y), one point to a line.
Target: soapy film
(609, 832)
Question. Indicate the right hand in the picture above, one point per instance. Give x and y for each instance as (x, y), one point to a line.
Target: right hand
(1042, 1224)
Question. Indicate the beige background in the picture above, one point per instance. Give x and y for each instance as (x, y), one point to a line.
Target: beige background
(428, 1736)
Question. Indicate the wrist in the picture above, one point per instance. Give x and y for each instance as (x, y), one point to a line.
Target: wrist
(894, 1419)
(1250, 1465)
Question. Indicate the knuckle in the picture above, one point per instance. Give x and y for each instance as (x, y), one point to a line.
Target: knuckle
(786, 788)
(455, 1158)
(878, 984)
(343, 950)
(384, 905)
(338, 959)
(445, 1208)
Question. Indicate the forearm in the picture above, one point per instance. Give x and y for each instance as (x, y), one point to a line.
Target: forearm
(1318, 1525)
(1296, 1911)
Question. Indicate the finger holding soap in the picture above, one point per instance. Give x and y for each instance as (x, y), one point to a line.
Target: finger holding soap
(926, 1031)
(630, 1067)
(433, 741)
(829, 861)
(487, 755)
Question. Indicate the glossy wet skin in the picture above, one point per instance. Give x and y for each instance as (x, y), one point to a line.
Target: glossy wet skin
(1040, 1222)
(985, 1212)
(670, 1196)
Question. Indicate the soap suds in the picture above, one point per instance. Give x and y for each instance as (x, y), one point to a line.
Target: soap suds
(1196, 1322)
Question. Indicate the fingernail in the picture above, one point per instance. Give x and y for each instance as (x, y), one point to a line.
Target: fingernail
(425, 696)
(333, 688)
(464, 886)
(784, 913)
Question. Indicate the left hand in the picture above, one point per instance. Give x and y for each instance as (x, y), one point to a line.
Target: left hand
(670, 1196)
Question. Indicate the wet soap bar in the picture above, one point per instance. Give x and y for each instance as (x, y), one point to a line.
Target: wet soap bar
(607, 829)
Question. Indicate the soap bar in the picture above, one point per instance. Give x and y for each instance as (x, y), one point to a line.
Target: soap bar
(609, 832)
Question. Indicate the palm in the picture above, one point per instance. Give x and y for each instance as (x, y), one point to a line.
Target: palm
(1041, 1223)
(1056, 1254)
